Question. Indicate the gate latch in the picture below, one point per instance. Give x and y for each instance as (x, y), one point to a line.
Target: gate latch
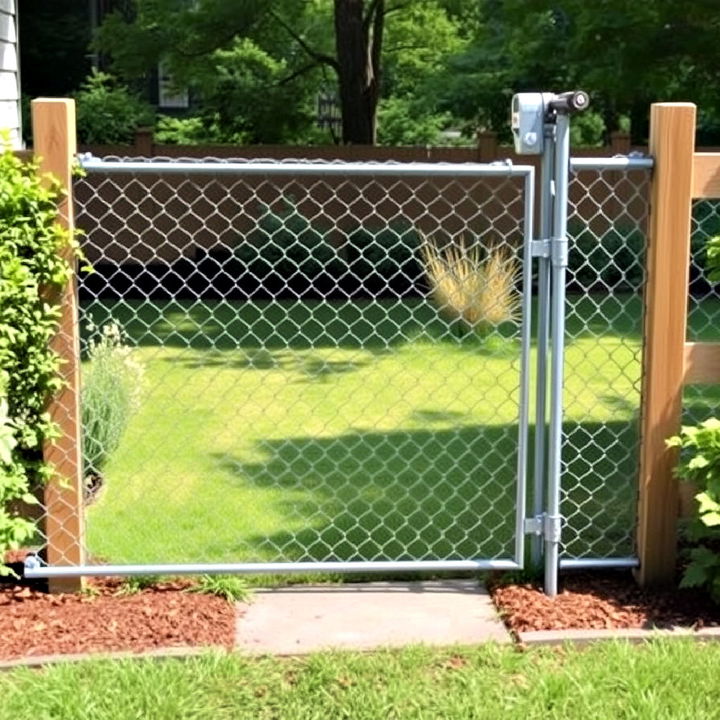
(549, 526)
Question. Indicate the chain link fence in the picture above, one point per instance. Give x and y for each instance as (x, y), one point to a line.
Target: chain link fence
(300, 385)
(273, 372)
(702, 400)
(607, 227)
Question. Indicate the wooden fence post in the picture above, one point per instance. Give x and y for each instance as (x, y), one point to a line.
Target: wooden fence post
(487, 146)
(672, 143)
(55, 146)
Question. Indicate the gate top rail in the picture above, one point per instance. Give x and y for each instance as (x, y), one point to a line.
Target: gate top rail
(93, 164)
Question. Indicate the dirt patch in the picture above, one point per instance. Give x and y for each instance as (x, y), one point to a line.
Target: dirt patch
(601, 601)
(104, 620)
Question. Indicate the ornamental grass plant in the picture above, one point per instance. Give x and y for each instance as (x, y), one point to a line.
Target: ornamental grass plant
(112, 384)
(473, 286)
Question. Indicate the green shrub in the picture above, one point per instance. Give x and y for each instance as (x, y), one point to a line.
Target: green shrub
(700, 464)
(712, 263)
(385, 251)
(31, 271)
(285, 242)
(183, 131)
(111, 392)
(108, 112)
(614, 261)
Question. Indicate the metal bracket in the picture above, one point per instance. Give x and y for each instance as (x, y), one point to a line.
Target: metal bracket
(534, 525)
(559, 251)
(549, 526)
(540, 248)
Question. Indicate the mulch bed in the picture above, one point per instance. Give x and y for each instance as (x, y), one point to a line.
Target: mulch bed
(601, 601)
(102, 619)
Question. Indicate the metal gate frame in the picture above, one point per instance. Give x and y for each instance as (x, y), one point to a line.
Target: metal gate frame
(35, 568)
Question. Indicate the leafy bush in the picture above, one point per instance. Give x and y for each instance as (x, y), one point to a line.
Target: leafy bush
(31, 271)
(700, 464)
(712, 263)
(182, 131)
(111, 392)
(614, 261)
(385, 252)
(108, 112)
(285, 242)
(405, 121)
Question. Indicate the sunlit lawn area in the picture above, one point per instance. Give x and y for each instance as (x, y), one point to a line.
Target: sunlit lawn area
(364, 430)
(609, 681)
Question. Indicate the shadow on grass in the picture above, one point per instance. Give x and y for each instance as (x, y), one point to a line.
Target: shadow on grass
(433, 494)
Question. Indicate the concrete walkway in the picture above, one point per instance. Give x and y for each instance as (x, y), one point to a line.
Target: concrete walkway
(302, 619)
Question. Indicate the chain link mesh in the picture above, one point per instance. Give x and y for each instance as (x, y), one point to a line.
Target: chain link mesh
(295, 390)
(268, 375)
(702, 400)
(607, 228)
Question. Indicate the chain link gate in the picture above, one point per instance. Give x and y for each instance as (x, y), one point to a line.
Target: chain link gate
(309, 281)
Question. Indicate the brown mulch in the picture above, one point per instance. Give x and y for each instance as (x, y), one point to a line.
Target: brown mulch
(601, 601)
(102, 619)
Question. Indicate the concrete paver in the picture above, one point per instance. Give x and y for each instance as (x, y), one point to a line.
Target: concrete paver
(302, 619)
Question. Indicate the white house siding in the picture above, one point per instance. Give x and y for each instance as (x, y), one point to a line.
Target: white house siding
(9, 75)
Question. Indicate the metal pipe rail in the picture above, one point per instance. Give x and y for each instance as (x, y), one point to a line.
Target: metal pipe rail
(280, 568)
(624, 162)
(183, 167)
(271, 568)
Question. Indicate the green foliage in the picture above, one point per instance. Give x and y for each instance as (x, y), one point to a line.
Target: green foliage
(385, 251)
(700, 464)
(31, 268)
(712, 262)
(231, 587)
(135, 584)
(403, 121)
(613, 261)
(182, 131)
(111, 392)
(285, 242)
(107, 112)
(587, 130)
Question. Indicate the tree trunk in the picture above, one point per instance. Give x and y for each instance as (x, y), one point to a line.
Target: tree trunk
(358, 39)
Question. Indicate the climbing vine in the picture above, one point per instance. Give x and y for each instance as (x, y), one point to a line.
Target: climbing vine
(32, 269)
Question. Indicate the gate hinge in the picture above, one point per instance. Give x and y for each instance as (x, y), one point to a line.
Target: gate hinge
(549, 526)
(540, 248)
(554, 248)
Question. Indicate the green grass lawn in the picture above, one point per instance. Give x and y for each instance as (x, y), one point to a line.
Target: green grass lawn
(659, 681)
(363, 430)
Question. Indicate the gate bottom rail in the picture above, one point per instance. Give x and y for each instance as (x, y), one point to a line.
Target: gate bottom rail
(34, 568)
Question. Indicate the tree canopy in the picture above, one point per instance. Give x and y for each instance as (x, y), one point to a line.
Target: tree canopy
(403, 71)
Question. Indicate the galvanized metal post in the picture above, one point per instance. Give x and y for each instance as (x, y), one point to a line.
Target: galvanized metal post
(543, 333)
(559, 259)
(524, 416)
